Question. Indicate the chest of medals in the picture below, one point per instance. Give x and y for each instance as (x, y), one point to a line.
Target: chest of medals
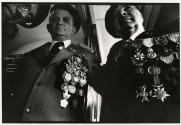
(155, 57)
(72, 81)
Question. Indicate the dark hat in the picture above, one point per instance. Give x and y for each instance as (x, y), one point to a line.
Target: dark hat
(109, 21)
(42, 12)
(73, 12)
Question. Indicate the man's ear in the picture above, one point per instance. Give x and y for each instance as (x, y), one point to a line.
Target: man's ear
(74, 29)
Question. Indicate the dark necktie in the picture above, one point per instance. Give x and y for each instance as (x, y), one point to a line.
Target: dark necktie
(56, 48)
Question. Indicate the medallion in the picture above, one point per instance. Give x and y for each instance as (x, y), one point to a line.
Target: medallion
(151, 53)
(160, 93)
(63, 103)
(143, 93)
(148, 42)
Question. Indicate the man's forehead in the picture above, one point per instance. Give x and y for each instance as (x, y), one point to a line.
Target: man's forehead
(125, 5)
(61, 12)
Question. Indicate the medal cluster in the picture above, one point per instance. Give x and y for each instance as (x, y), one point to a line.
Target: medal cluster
(149, 56)
(75, 80)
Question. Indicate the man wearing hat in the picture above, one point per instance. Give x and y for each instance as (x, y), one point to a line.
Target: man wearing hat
(143, 85)
(28, 15)
(52, 82)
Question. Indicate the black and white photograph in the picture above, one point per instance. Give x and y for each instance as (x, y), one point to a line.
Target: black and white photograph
(86, 62)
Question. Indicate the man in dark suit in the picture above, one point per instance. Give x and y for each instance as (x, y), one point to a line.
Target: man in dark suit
(52, 81)
(141, 76)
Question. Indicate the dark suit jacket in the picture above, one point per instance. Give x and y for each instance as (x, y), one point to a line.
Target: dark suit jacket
(30, 96)
(119, 84)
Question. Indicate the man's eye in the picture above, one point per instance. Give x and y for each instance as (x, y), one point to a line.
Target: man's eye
(54, 19)
(66, 19)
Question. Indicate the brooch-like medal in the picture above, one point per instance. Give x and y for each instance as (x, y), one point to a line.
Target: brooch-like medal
(75, 80)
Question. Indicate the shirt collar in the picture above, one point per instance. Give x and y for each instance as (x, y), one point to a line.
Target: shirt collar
(137, 33)
(66, 43)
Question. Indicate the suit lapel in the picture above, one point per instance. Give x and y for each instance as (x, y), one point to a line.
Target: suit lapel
(62, 54)
(42, 54)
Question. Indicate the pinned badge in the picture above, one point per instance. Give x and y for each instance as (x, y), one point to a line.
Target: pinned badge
(153, 70)
(83, 81)
(168, 59)
(64, 87)
(63, 103)
(67, 76)
(72, 89)
(138, 59)
(75, 79)
(160, 93)
(148, 42)
(151, 53)
(143, 93)
(66, 95)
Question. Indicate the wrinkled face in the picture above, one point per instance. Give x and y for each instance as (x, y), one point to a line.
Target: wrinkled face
(126, 20)
(61, 24)
(18, 13)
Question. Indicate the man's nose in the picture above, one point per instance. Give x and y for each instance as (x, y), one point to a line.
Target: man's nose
(123, 12)
(60, 21)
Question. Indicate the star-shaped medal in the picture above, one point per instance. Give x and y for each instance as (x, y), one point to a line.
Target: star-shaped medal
(160, 93)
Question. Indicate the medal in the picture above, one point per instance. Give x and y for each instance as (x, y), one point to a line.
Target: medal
(153, 70)
(151, 53)
(138, 59)
(67, 77)
(79, 60)
(168, 59)
(72, 89)
(66, 95)
(64, 87)
(63, 103)
(143, 93)
(148, 42)
(83, 81)
(160, 93)
(174, 37)
(76, 79)
(162, 40)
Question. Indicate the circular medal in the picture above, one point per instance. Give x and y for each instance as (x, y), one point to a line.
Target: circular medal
(72, 89)
(154, 70)
(79, 60)
(67, 76)
(76, 79)
(64, 87)
(83, 81)
(151, 53)
(161, 40)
